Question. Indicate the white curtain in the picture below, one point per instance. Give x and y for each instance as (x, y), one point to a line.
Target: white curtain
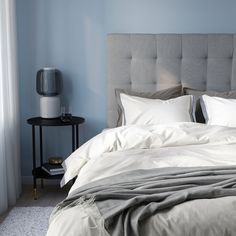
(10, 177)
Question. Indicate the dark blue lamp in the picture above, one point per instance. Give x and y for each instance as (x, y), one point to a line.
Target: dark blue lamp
(49, 86)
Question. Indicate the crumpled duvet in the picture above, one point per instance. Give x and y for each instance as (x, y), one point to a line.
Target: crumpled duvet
(130, 148)
(145, 137)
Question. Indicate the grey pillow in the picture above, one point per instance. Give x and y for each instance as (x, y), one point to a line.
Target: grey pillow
(199, 112)
(164, 94)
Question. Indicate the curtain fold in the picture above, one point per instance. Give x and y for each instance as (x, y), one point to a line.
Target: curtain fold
(10, 176)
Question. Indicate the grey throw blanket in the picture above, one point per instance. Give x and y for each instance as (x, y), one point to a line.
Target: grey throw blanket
(127, 199)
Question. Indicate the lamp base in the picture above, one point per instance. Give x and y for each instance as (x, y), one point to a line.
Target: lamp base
(50, 107)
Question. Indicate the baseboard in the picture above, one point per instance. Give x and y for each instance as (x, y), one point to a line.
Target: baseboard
(28, 180)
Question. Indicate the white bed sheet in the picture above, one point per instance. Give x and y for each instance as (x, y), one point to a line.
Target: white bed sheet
(183, 145)
(189, 156)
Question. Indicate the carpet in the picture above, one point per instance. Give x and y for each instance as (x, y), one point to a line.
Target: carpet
(26, 221)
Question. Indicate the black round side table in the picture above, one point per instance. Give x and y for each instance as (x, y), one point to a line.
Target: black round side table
(38, 172)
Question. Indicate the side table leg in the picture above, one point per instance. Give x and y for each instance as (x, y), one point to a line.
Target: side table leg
(41, 150)
(35, 190)
(77, 136)
(34, 162)
(73, 138)
(41, 144)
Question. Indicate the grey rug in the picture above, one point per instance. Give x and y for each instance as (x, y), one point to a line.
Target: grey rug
(26, 221)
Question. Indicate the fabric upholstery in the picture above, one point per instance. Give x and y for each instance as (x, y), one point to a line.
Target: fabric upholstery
(147, 63)
(199, 117)
(146, 111)
(219, 111)
(164, 94)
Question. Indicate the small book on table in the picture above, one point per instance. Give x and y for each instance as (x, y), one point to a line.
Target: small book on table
(53, 169)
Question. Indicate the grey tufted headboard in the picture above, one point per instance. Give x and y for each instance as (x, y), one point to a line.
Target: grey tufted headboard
(146, 62)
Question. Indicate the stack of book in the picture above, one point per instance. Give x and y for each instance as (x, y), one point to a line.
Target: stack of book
(53, 169)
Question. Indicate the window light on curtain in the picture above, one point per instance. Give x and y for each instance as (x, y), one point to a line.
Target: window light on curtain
(10, 178)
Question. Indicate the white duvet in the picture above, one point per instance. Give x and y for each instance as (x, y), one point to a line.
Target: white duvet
(143, 147)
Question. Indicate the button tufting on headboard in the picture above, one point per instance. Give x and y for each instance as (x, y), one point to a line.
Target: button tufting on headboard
(149, 62)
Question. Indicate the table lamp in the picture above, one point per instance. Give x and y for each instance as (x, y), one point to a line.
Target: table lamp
(49, 86)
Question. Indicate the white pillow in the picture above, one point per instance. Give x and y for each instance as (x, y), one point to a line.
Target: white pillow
(219, 111)
(145, 111)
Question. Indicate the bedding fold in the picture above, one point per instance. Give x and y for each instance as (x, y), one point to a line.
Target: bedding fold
(145, 137)
(128, 199)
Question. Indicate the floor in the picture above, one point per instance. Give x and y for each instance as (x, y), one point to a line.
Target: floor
(50, 195)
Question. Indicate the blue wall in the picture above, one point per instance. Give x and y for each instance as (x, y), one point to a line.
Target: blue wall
(71, 36)
(171, 16)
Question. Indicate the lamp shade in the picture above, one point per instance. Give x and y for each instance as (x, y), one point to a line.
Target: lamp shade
(49, 82)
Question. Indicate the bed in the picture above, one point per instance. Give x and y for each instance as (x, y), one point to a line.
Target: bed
(144, 176)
